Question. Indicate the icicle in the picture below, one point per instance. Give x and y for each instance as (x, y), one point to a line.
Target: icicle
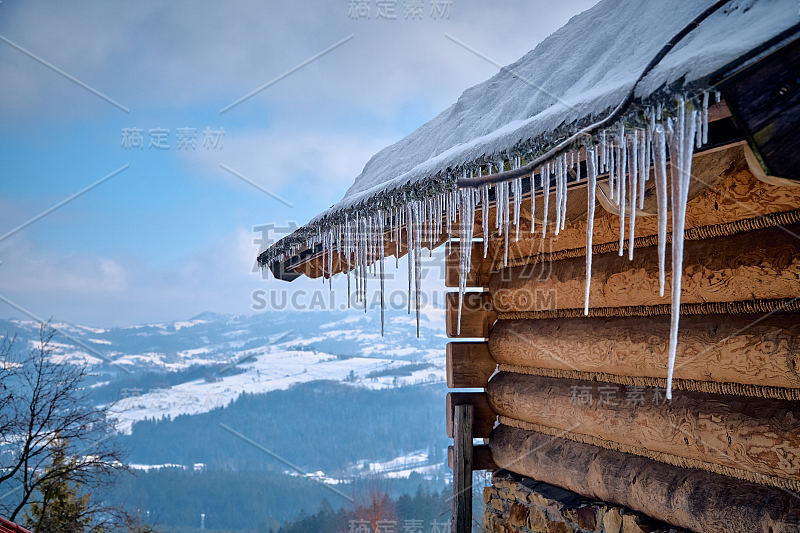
(485, 218)
(330, 259)
(591, 169)
(603, 154)
(467, 214)
(498, 207)
(622, 155)
(611, 169)
(401, 212)
(634, 176)
(564, 176)
(559, 169)
(347, 253)
(533, 198)
(324, 257)
(409, 250)
(506, 218)
(704, 137)
(381, 255)
(545, 177)
(660, 170)
(365, 262)
(644, 168)
(681, 150)
(417, 266)
(517, 186)
(578, 166)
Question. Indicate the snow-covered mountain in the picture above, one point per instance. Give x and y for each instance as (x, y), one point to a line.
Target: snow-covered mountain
(192, 366)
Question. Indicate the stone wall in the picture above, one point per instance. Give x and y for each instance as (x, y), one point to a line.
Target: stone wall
(516, 504)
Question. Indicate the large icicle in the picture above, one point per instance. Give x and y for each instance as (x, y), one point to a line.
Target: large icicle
(417, 259)
(381, 254)
(467, 217)
(681, 150)
(409, 250)
(545, 177)
(517, 187)
(348, 238)
(621, 160)
(559, 170)
(564, 176)
(660, 170)
(644, 165)
(591, 169)
(633, 172)
(485, 218)
(533, 198)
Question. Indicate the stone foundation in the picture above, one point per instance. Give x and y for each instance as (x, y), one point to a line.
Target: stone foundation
(516, 504)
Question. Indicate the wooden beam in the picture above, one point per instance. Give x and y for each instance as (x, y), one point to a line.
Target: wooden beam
(462, 469)
(692, 499)
(469, 365)
(481, 457)
(743, 434)
(484, 417)
(477, 315)
(749, 349)
(478, 272)
(755, 265)
(765, 101)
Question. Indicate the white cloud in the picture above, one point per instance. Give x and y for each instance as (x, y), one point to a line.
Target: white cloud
(182, 53)
(27, 268)
(320, 160)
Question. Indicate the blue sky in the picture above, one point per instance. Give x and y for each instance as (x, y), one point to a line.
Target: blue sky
(172, 235)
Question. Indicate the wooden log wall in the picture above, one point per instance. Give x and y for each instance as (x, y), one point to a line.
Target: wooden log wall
(581, 400)
(688, 498)
(752, 439)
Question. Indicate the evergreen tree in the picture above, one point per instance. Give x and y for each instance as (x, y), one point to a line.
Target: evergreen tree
(61, 507)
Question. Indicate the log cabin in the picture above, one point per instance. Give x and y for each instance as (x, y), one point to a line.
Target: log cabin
(613, 387)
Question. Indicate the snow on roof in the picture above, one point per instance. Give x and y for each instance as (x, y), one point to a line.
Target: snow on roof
(575, 75)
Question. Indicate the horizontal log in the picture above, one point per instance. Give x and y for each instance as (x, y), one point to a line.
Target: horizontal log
(477, 315)
(749, 349)
(759, 264)
(478, 274)
(744, 435)
(693, 499)
(469, 365)
(481, 457)
(483, 416)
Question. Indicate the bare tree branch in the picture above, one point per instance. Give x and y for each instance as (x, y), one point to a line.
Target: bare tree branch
(43, 403)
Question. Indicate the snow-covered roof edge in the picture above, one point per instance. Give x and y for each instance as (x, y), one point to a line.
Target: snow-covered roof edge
(525, 123)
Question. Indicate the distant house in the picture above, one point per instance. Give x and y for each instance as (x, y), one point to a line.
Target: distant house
(622, 214)
(7, 526)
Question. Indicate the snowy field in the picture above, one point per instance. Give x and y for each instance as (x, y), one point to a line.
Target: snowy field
(272, 369)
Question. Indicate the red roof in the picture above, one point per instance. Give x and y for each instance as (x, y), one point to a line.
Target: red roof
(7, 526)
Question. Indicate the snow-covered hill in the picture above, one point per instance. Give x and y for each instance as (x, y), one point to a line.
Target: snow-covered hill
(192, 366)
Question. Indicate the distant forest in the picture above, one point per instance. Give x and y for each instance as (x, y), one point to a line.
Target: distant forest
(173, 499)
(321, 425)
